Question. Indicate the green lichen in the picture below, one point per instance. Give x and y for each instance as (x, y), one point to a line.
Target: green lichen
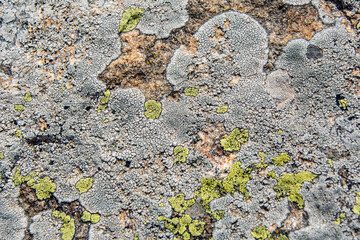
(27, 97)
(1, 155)
(358, 25)
(68, 227)
(184, 226)
(130, 19)
(261, 165)
(222, 109)
(338, 220)
(84, 184)
(281, 159)
(136, 236)
(272, 174)
(179, 204)
(44, 187)
(343, 103)
(90, 217)
(153, 109)
(356, 208)
(28, 179)
(279, 131)
(18, 134)
(196, 228)
(260, 233)
(19, 107)
(212, 188)
(192, 91)
(104, 101)
(289, 185)
(217, 215)
(161, 204)
(63, 87)
(234, 141)
(331, 163)
(180, 154)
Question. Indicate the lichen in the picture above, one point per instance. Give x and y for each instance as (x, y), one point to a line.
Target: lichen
(27, 97)
(1, 155)
(19, 107)
(68, 227)
(90, 217)
(343, 103)
(179, 204)
(222, 109)
(356, 208)
(289, 185)
(260, 233)
(279, 131)
(331, 163)
(18, 134)
(84, 184)
(43, 187)
(261, 165)
(212, 188)
(184, 226)
(28, 179)
(281, 159)
(217, 215)
(234, 141)
(180, 154)
(104, 101)
(192, 91)
(136, 236)
(153, 109)
(130, 19)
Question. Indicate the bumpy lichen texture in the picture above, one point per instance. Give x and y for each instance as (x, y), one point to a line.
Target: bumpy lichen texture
(234, 141)
(44, 187)
(27, 97)
(84, 184)
(212, 188)
(90, 217)
(19, 107)
(260, 233)
(179, 204)
(68, 228)
(152, 109)
(281, 159)
(104, 101)
(356, 208)
(18, 133)
(180, 154)
(130, 19)
(192, 91)
(222, 109)
(289, 185)
(184, 226)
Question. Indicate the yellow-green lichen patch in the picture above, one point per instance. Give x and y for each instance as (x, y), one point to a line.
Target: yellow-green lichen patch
(136, 236)
(192, 91)
(18, 134)
(217, 215)
(289, 185)
(234, 141)
(84, 184)
(272, 174)
(1, 155)
(343, 103)
(27, 97)
(161, 204)
(68, 227)
(19, 107)
(279, 131)
(212, 188)
(331, 163)
(152, 109)
(90, 217)
(281, 159)
(261, 165)
(338, 220)
(130, 19)
(356, 208)
(44, 187)
(184, 226)
(260, 233)
(222, 109)
(180, 154)
(28, 179)
(179, 204)
(104, 101)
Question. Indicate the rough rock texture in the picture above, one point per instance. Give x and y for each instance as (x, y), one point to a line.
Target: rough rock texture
(289, 81)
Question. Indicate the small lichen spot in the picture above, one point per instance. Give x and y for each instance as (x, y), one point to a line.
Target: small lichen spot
(44, 187)
(152, 109)
(19, 107)
(192, 91)
(222, 109)
(84, 184)
(234, 141)
(281, 159)
(180, 154)
(27, 97)
(260, 233)
(130, 19)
